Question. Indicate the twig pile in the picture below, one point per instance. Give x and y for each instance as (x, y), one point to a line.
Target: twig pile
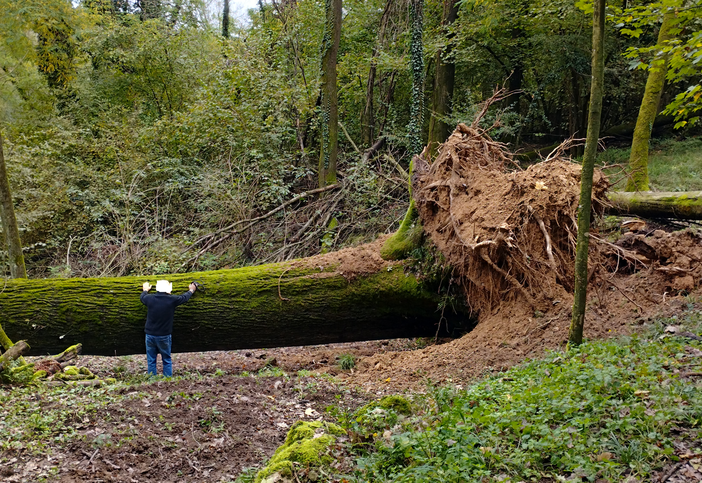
(509, 235)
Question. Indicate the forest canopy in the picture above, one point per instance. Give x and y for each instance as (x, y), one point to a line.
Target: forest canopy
(134, 131)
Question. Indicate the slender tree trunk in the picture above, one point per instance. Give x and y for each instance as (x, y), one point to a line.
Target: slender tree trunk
(9, 223)
(329, 99)
(225, 20)
(444, 78)
(638, 161)
(585, 207)
(409, 235)
(417, 64)
(368, 116)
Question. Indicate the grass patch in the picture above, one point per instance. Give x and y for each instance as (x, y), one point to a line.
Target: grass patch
(606, 410)
(672, 165)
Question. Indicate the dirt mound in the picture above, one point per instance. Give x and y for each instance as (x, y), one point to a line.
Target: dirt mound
(510, 235)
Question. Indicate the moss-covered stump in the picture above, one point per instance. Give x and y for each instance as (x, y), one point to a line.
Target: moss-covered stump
(648, 204)
(255, 307)
(306, 446)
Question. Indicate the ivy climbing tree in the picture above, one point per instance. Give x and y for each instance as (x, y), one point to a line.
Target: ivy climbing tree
(409, 235)
(329, 101)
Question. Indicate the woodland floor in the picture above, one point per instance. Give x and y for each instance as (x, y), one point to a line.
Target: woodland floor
(231, 410)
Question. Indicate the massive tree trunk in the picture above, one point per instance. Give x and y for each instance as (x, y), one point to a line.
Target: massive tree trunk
(267, 306)
(9, 223)
(575, 335)
(329, 95)
(444, 78)
(647, 204)
(638, 161)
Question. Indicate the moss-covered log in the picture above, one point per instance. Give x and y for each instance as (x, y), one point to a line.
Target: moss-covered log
(267, 306)
(685, 205)
(13, 353)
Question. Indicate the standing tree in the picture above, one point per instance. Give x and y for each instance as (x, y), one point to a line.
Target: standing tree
(444, 77)
(9, 223)
(368, 115)
(329, 98)
(225, 20)
(585, 208)
(409, 235)
(638, 161)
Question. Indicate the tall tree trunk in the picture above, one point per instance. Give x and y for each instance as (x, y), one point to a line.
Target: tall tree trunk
(9, 223)
(444, 77)
(638, 161)
(368, 116)
(409, 235)
(271, 305)
(417, 64)
(329, 99)
(585, 208)
(225, 20)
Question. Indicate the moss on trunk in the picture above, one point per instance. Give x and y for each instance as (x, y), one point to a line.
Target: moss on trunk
(638, 161)
(266, 306)
(685, 205)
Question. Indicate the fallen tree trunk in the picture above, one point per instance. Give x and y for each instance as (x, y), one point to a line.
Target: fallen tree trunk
(685, 205)
(267, 306)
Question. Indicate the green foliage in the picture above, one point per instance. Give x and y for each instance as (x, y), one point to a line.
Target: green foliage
(347, 362)
(684, 50)
(135, 133)
(604, 410)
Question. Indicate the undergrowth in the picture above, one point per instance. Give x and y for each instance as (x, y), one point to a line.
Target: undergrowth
(605, 410)
(672, 165)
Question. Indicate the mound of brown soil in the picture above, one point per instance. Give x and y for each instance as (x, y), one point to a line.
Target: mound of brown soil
(510, 235)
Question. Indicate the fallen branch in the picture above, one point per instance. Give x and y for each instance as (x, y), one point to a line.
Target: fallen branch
(253, 221)
(13, 353)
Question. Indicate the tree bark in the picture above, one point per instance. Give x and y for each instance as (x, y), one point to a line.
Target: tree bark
(9, 223)
(225, 19)
(444, 77)
(266, 306)
(409, 235)
(638, 160)
(585, 208)
(368, 116)
(329, 95)
(13, 353)
(647, 204)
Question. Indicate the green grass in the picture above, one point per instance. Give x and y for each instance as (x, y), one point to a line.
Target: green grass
(672, 166)
(605, 410)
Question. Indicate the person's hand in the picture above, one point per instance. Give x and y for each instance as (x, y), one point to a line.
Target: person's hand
(192, 287)
(146, 286)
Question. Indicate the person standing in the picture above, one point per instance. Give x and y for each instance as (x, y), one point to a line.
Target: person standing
(159, 322)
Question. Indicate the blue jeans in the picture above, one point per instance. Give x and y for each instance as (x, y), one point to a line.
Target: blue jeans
(159, 344)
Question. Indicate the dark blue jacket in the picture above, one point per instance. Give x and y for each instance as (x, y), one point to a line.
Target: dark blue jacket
(160, 309)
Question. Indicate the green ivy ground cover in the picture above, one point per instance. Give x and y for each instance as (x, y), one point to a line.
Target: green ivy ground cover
(608, 410)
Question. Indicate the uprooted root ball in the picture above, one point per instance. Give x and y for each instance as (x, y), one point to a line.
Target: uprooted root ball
(508, 234)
